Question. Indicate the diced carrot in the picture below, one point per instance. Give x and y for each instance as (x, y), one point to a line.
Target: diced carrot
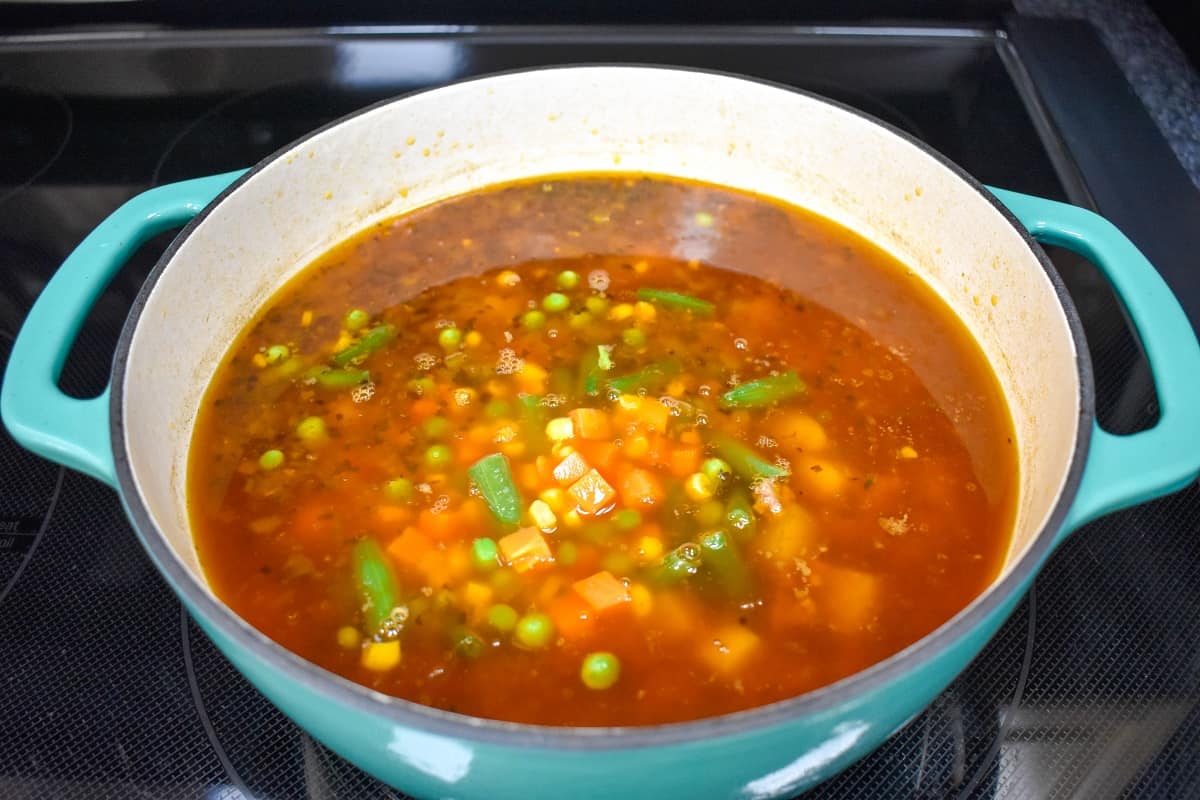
(409, 548)
(528, 477)
(591, 423)
(441, 526)
(423, 408)
(641, 488)
(729, 649)
(525, 549)
(592, 494)
(315, 523)
(683, 461)
(545, 469)
(571, 469)
(550, 589)
(476, 597)
(572, 617)
(393, 515)
(601, 455)
(645, 411)
(602, 591)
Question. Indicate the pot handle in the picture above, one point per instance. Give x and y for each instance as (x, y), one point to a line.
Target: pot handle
(71, 431)
(1125, 470)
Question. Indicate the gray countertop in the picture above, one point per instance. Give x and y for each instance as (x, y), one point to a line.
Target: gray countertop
(1152, 62)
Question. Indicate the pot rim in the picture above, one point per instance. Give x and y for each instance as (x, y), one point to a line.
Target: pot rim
(338, 690)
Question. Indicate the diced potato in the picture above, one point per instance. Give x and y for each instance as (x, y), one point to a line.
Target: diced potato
(602, 591)
(591, 423)
(786, 535)
(847, 599)
(821, 476)
(560, 429)
(525, 550)
(730, 649)
(592, 494)
(795, 429)
(571, 469)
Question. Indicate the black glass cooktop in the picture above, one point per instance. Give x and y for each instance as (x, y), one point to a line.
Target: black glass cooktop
(107, 689)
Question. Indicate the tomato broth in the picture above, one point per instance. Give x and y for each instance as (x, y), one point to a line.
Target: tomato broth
(602, 450)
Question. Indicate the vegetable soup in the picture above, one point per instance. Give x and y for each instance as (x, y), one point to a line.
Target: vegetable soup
(602, 450)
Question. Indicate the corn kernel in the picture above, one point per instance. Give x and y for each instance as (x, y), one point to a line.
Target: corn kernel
(344, 340)
(259, 360)
(532, 378)
(641, 267)
(556, 499)
(473, 339)
(543, 516)
(641, 599)
(621, 311)
(644, 312)
(306, 319)
(907, 452)
(699, 486)
(629, 402)
(348, 637)
(572, 519)
(560, 429)
(514, 448)
(381, 656)
(508, 278)
(649, 548)
(477, 597)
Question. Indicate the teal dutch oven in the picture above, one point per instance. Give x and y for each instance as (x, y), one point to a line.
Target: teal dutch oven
(246, 233)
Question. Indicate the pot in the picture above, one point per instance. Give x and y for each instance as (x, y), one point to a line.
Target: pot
(247, 233)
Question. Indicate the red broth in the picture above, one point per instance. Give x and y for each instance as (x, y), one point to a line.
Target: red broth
(602, 450)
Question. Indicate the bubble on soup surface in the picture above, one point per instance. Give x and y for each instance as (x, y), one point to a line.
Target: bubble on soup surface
(509, 362)
(598, 280)
(425, 361)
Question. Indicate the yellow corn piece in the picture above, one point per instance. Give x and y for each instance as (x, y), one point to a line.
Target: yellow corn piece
(908, 451)
(473, 339)
(543, 516)
(532, 378)
(381, 656)
(508, 279)
(259, 360)
(649, 548)
(306, 318)
(556, 499)
(644, 312)
(560, 429)
(641, 600)
(476, 597)
(348, 637)
(572, 519)
(621, 311)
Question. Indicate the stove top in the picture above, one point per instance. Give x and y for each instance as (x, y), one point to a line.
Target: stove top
(107, 689)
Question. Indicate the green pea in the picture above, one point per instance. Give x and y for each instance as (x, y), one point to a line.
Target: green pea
(568, 279)
(555, 301)
(277, 353)
(398, 489)
(311, 429)
(436, 427)
(438, 456)
(627, 519)
(600, 670)
(356, 319)
(271, 459)
(502, 617)
(717, 469)
(484, 554)
(597, 305)
(467, 644)
(496, 409)
(505, 582)
(566, 554)
(633, 337)
(533, 319)
(534, 631)
(450, 338)
(580, 320)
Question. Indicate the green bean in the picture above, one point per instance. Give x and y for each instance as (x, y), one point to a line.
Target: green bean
(678, 565)
(724, 564)
(739, 514)
(746, 463)
(494, 479)
(650, 377)
(376, 584)
(370, 341)
(589, 373)
(338, 378)
(675, 300)
(764, 391)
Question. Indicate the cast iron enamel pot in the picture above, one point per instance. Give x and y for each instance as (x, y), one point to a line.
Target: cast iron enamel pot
(247, 233)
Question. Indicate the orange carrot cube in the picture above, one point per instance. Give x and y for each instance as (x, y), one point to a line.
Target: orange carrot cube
(591, 423)
(602, 591)
(525, 550)
(571, 469)
(641, 488)
(592, 494)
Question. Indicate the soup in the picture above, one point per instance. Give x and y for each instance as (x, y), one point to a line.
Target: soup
(602, 450)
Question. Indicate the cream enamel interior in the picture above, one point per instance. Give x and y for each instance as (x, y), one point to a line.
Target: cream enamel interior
(718, 129)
